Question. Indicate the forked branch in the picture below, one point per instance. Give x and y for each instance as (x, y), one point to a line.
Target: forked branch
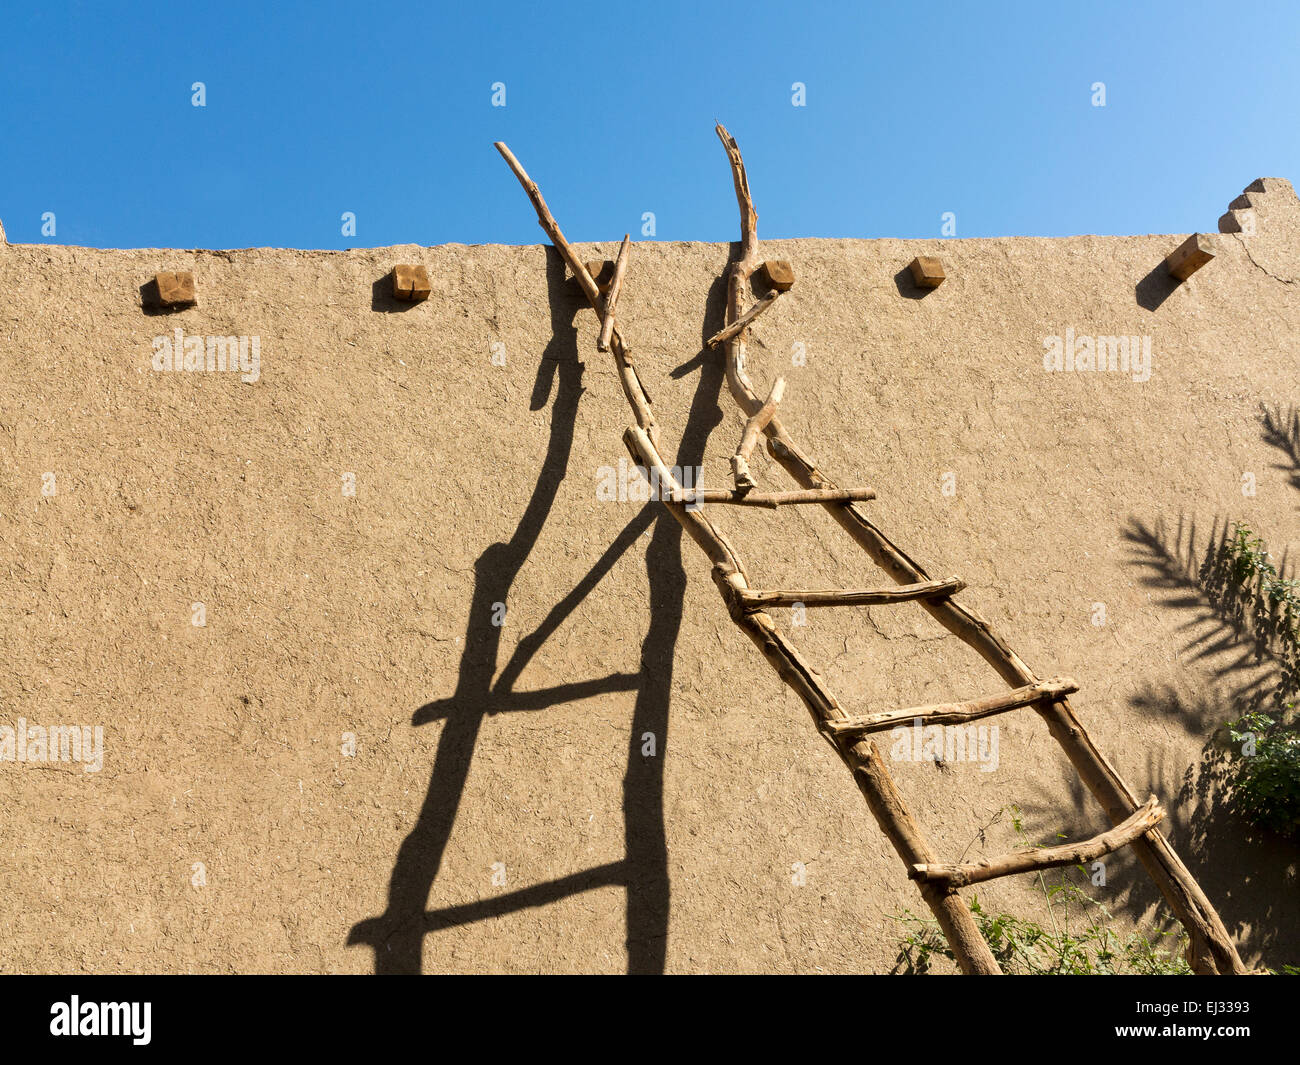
(611, 298)
(860, 755)
(633, 389)
(753, 427)
(1210, 949)
(739, 325)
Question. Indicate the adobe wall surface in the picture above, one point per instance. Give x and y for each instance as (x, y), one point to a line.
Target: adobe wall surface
(514, 751)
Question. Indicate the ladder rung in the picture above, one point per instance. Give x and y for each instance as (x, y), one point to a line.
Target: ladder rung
(1141, 821)
(772, 499)
(903, 593)
(739, 325)
(956, 713)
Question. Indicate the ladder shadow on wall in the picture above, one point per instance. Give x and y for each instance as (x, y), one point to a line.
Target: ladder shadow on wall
(397, 935)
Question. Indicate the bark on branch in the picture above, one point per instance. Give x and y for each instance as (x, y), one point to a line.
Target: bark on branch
(611, 298)
(1210, 949)
(853, 596)
(958, 713)
(735, 328)
(633, 389)
(740, 460)
(1145, 818)
(861, 756)
(772, 500)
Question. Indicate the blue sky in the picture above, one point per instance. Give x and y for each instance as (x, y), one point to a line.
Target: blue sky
(385, 110)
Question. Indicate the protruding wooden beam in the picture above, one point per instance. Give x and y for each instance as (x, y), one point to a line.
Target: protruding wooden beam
(740, 324)
(1145, 818)
(759, 599)
(1190, 256)
(175, 288)
(779, 274)
(740, 460)
(957, 713)
(611, 297)
(927, 271)
(411, 283)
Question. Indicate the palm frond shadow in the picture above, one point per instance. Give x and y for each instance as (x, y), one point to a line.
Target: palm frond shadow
(1220, 631)
(1282, 431)
(1250, 874)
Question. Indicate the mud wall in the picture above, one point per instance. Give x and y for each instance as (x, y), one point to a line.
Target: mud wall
(450, 710)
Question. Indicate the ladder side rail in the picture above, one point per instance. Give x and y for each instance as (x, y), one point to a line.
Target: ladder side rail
(1210, 948)
(862, 757)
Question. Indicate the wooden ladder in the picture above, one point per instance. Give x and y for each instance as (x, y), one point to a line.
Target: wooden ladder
(1209, 950)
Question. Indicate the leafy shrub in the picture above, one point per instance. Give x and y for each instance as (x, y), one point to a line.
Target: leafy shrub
(1079, 941)
(1247, 588)
(1266, 784)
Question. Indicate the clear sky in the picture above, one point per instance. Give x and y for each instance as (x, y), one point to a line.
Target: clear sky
(984, 110)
